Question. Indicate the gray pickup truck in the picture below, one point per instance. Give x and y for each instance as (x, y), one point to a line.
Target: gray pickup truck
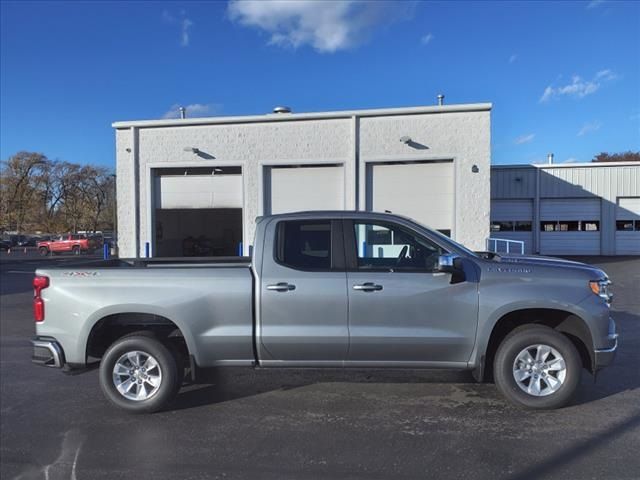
(328, 289)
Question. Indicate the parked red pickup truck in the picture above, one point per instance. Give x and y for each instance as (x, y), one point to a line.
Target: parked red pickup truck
(73, 243)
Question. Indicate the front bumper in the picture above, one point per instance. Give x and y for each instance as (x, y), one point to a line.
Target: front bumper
(47, 352)
(605, 356)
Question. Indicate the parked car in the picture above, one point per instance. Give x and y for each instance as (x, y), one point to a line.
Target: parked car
(19, 240)
(30, 241)
(5, 245)
(71, 243)
(329, 289)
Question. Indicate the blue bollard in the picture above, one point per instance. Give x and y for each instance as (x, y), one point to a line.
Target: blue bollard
(146, 249)
(240, 249)
(105, 251)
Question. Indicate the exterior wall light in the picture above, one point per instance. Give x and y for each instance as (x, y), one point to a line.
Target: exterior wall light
(475, 169)
(406, 139)
(192, 150)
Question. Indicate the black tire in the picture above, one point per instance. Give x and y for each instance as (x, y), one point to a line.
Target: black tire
(76, 250)
(170, 378)
(43, 251)
(518, 340)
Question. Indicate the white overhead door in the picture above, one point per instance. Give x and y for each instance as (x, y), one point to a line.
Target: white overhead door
(198, 191)
(293, 189)
(197, 214)
(628, 226)
(570, 226)
(422, 191)
(512, 220)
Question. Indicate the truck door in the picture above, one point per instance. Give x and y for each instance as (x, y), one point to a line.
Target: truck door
(303, 294)
(58, 245)
(400, 309)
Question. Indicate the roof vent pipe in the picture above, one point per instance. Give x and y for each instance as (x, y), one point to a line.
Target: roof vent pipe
(281, 109)
(440, 99)
(550, 158)
(183, 112)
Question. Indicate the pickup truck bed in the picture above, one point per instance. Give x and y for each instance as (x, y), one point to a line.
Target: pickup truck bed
(210, 301)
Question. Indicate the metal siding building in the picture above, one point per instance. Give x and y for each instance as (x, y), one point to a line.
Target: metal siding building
(581, 209)
(194, 186)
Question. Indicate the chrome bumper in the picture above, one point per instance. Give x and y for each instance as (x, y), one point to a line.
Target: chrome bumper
(47, 352)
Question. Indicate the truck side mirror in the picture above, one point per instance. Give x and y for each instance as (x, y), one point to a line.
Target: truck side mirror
(448, 263)
(452, 263)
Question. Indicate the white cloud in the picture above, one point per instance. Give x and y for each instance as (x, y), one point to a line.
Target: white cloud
(578, 87)
(606, 75)
(513, 58)
(589, 128)
(425, 40)
(184, 23)
(594, 4)
(524, 138)
(325, 26)
(193, 110)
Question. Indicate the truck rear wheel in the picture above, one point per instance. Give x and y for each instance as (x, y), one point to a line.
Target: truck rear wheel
(537, 367)
(76, 250)
(43, 251)
(139, 374)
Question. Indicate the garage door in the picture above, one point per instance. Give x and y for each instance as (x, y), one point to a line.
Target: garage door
(198, 212)
(570, 226)
(422, 191)
(628, 226)
(512, 220)
(198, 191)
(294, 189)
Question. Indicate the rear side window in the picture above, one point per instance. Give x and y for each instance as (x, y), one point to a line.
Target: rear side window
(304, 245)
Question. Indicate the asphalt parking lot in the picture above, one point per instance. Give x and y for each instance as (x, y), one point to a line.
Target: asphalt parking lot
(312, 425)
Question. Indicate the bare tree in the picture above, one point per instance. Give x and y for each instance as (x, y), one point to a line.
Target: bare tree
(617, 157)
(54, 195)
(17, 187)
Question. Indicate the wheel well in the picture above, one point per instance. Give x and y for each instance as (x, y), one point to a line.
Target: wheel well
(570, 325)
(109, 329)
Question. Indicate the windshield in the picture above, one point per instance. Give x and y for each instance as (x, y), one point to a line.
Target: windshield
(449, 243)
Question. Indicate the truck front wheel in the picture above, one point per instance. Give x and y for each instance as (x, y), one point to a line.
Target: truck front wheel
(139, 374)
(537, 367)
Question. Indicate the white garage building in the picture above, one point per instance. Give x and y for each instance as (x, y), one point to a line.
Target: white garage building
(194, 186)
(568, 209)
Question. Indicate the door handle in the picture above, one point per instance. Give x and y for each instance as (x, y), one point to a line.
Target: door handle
(281, 287)
(368, 287)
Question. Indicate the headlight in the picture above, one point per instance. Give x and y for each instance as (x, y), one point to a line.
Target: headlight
(602, 289)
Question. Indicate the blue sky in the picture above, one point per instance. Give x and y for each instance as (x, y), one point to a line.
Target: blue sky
(564, 77)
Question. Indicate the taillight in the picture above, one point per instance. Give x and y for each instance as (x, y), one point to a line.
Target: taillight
(39, 284)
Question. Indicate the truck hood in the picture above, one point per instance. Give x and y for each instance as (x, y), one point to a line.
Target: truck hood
(551, 262)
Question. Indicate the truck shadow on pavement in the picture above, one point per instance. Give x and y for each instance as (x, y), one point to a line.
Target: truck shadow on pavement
(233, 384)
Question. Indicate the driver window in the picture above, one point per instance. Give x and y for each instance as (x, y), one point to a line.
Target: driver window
(390, 247)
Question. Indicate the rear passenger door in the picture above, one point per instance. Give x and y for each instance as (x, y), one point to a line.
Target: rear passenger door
(303, 294)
